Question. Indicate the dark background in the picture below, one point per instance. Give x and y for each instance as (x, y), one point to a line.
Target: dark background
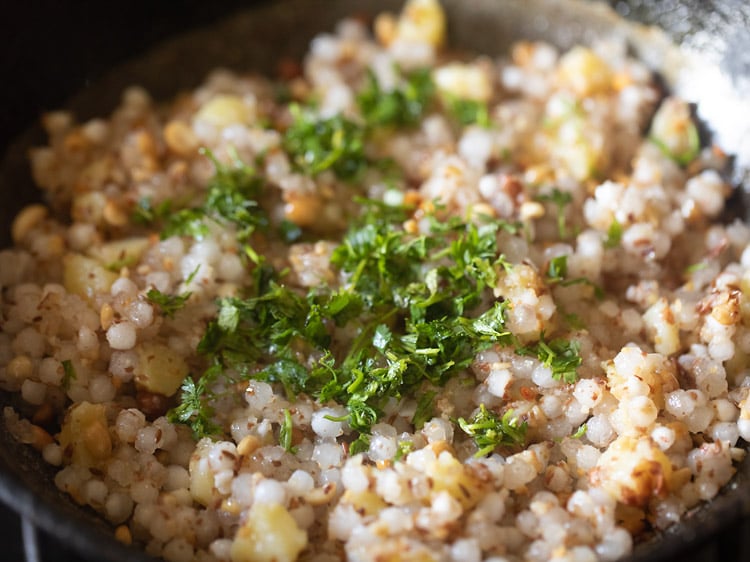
(44, 61)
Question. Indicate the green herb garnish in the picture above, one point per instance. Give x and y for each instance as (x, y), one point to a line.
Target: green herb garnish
(233, 195)
(561, 200)
(285, 433)
(169, 304)
(614, 235)
(403, 106)
(689, 154)
(411, 327)
(580, 432)
(560, 355)
(409, 299)
(316, 145)
(491, 431)
(186, 222)
(360, 444)
(146, 213)
(557, 270)
(69, 374)
(573, 320)
(289, 231)
(231, 198)
(194, 409)
(425, 409)
(697, 266)
(404, 448)
(468, 112)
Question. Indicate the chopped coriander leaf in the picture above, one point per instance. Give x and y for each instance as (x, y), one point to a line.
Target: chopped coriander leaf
(231, 198)
(560, 355)
(614, 235)
(192, 275)
(490, 326)
(573, 320)
(145, 212)
(598, 291)
(689, 154)
(289, 231)
(404, 448)
(468, 112)
(169, 304)
(379, 256)
(491, 431)
(409, 326)
(693, 267)
(558, 268)
(334, 143)
(557, 271)
(425, 409)
(360, 444)
(343, 306)
(580, 432)
(185, 222)
(285, 433)
(194, 410)
(69, 374)
(246, 330)
(233, 194)
(403, 106)
(560, 199)
(361, 415)
(288, 372)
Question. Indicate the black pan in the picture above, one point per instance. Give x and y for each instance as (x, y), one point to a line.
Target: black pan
(52, 51)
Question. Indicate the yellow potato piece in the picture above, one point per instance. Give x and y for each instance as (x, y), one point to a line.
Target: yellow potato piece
(225, 110)
(86, 277)
(160, 369)
(85, 435)
(422, 21)
(464, 81)
(269, 534)
(662, 327)
(120, 253)
(201, 477)
(449, 475)
(584, 72)
(366, 502)
(634, 470)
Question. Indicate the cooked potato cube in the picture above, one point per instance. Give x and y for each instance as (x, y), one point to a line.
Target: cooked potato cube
(86, 277)
(160, 369)
(85, 435)
(120, 253)
(269, 534)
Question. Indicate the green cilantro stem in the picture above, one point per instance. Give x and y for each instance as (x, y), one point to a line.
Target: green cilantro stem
(285, 433)
(560, 199)
(69, 374)
(614, 235)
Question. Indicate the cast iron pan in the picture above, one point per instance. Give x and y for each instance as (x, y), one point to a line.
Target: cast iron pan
(713, 69)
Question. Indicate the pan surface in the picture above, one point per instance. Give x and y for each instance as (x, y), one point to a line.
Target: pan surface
(712, 70)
